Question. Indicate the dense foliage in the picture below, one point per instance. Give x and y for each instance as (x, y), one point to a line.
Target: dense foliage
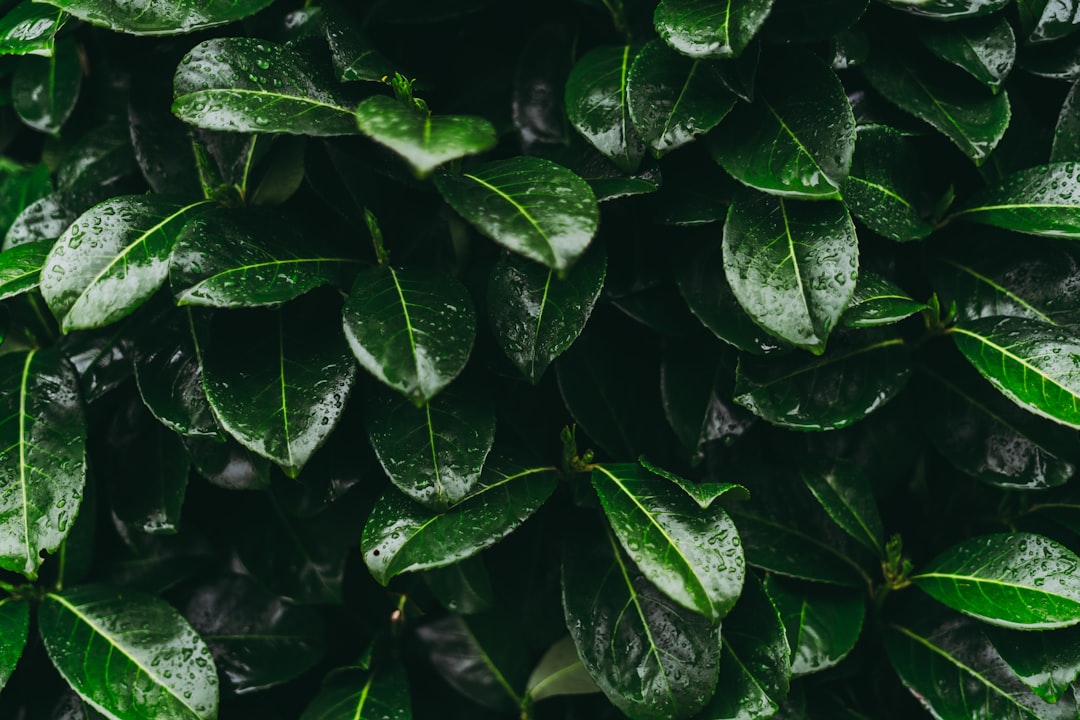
(712, 359)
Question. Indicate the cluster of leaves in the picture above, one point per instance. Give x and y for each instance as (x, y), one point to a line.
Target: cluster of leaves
(308, 307)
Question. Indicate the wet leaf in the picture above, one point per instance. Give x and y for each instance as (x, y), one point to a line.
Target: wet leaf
(45, 89)
(848, 497)
(14, 629)
(822, 624)
(464, 587)
(348, 694)
(878, 301)
(1058, 59)
(160, 17)
(985, 49)
(1048, 662)
(560, 672)
(1067, 132)
(128, 653)
(20, 268)
(102, 156)
(1042, 20)
(354, 55)
(710, 28)
(228, 464)
(948, 9)
(1042, 200)
(597, 105)
(29, 28)
(20, 189)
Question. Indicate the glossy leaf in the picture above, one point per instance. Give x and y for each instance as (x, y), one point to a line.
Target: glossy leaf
(886, 187)
(29, 28)
(673, 98)
(690, 553)
(710, 28)
(46, 218)
(413, 328)
(878, 301)
(112, 259)
(598, 108)
(560, 672)
(433, 453)
(1048, 662)
(401, 536)
(535, 314)
(355, 57)
(985, 49)
(792, 266)
(1042, 20)
(464, 587)
(101, 157)
(45, 89)
(970, 115)
(14, 629)
(129, 654)
(1067, 131)
(424, 140)
(948, 9)
(102, 358)
(284, 406)
(241, 84)
(1057, 60)
(1043, 200)
(161, 17)
(228, 464)
(20, 189)
(20, 268)
(822, 624)
(847, 496)
(347, 694)
(797, 137)
(651, 659)
(43, 464)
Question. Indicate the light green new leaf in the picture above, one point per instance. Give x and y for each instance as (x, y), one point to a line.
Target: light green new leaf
(1048, 662)
(43, 464)
(413, 328)
(692, 554)
(128, 654)
(1015, 580)
(848, 497)
(985, 49)
(45, 89)
(349, 694)
(560, 672)
(424, 140)
(597, 105)
(1043, 200)
(823, 624)
(20, 268)
(878, 301)
(948, 9)
(14, 629)
(401, 535)
(112, 259)
(710, 28)
(1035, 365)
(247, 85)
(792, 265)
(160, 17)
(30, 28)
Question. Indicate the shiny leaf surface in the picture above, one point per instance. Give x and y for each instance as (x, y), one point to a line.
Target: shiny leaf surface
(1042, 20)
(348, 694)
(560, 672)
(822, 624)
(45, 89)
(597, 105)
(29, 29)
(847, 496)
(160, 17)
(14, 628)
(878, 301)
(1047, 662)
(1066, 145)
(355, 57)
(710, 28)
(886, 187)
(20, 268)
(1043, 200)
(985, 49)
(948, 9)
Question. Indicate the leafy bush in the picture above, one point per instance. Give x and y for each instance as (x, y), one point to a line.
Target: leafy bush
(464, 358)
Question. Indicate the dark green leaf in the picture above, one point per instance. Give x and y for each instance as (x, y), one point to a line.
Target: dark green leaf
(1067, 132)
(257, 639)
(284, 405)
(161, 17)
(1035, 365)
(806, 21)
(355, 56)
(597, 105)
(542, 67)
(703, 493)
(249, 85)
(46, 218)
(424, 140)
(848, 497)
(791, 265)
(535, 314)
(129, 654)
(822, 624)
(102, 156)
(30, 28)
(464, 587)
(690, 553)
(43, 464)
(674, 98)
(710, 28)
(878, 301)
(102, 359)
(1047, 662)
(346, 694)
(531, 206)
(44, 89)
(228, 464)
(433, 453)
(560, 672)
(969, 114)
(1058, 60)
(14, 629)
(886, 187)
(112, 259)
(20, 268)
(1042, 200)
(401, 536)
(653, 660)
(948, 9)
(985, 49)
(1042, 20)
(413, 329)
(20, 189)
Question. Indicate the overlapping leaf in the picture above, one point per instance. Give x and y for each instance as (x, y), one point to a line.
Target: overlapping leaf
(347, 694)
(878, 301)
(20, 268)
(597, 105)
(45, 89)
(985, 49)
(14, 629)
(822, 624)
(948, 9)
(559, 672)
(710, 28)
(1043, 200)
(847, 496)
(1047, 662)
(161, 17)
(30, 28)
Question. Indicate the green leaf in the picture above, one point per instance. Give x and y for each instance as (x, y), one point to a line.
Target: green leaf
(559, 672)
(347, 694)
(43, 464)
(878, 301)
(597, 105)
(1048, 662)
(1016, 580)
(843, 386)
(1042, 20)
(413, 329)
(20, 268)
(710, 28)
(690, 553)
(954, 672)
(354, 55)
(807, 21)
(45, 89)
(972, 116)
(232, 259)
(128, 654)
(20, 189)
(1057, 60)
(653, 660)
(30, 28)
(248, 85)
(14, 630)
(886, 187)
(948, 9)
(1043, 200)
(424, 140)
(1067, 131)
(985, 49)
(1033, 364)
(228, 464)
(822, 624)
(112, 259)
(434, 453)
(536, 315)
(258, 640)
(47, 217)
(848, 497)
(101, 157)
(703, 493)
(791, 265)
(674, 98)
(283, 405)
(464, 587)
(755, 664)
(402, 536)
(160, 17)
(528, 205)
